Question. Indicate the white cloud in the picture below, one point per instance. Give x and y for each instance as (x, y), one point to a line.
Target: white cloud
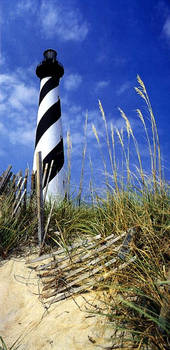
(24, 135)
(18, 109)
(59, 18)
(2, 96)
(54, 18)
(101, 84)
(93, 115)
(24, 6)
(23, 95)
(166, 28)
(72, 81)
(76, 138)
(117, 124)
(75, 109)
(16, 93)
(71, 120)
(7, 79)
(123, 88)
(3, 107)
(18, 133)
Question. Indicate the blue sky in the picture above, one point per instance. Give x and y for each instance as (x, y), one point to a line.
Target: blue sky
(103, 46)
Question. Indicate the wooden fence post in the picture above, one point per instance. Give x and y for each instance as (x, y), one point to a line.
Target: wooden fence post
(25, 189)
(40, 204)
(5, 179)
(33, 186)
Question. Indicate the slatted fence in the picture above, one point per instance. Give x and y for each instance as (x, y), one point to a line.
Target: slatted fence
(14, 188)
(82, 266)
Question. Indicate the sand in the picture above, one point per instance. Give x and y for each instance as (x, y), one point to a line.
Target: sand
(64, 326)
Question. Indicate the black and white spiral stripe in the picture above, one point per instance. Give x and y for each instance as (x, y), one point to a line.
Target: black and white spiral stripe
(49, 139)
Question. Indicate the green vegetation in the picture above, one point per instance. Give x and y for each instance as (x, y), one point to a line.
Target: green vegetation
(135, 300)
(3, 346)
(16, 231)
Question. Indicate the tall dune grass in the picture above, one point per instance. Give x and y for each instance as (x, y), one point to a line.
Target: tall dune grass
(136, 296)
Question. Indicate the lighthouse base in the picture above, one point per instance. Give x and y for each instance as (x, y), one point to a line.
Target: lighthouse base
(55, 191)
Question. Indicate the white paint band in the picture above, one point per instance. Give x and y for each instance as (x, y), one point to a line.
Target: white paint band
(49, 100)
(49, 140)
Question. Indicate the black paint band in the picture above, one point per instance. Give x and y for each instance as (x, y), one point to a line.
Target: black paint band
(48, 119)
(57, 154)
(49, 85)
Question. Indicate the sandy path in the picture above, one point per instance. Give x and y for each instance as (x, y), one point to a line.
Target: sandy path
(63, 327)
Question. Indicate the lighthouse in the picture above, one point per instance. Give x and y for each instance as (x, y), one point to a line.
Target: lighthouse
(49, 137)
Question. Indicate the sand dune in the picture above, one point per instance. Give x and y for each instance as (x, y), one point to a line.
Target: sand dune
(64, 326)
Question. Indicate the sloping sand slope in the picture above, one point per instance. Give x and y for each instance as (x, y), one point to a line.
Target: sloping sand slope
(63, 327)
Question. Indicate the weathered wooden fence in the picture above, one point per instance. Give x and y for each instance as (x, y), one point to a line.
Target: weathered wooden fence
(16, 189)
(82, 266)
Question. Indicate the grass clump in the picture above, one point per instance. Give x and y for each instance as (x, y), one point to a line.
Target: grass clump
(16, 231)
(3, 345)
(137, 300)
